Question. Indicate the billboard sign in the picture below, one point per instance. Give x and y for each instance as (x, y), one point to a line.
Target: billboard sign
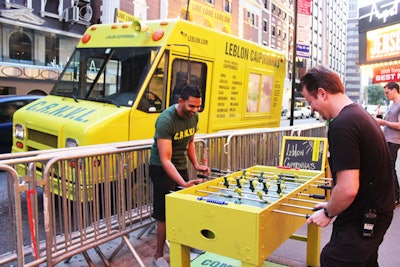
(386, 74)
(303, 28)
(383, 44)
(379, 14)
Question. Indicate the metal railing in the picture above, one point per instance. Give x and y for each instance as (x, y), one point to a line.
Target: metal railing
(64, 202)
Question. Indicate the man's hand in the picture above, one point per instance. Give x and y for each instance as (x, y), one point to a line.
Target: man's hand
(204, 169)
(191, 183)
(319, 218)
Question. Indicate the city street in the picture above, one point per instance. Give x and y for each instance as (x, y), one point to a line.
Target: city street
(286, 122)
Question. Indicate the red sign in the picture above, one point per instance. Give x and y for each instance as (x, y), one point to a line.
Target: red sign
(386, 74)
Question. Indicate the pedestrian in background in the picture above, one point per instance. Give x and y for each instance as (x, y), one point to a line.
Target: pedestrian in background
(173, 144)
(362, 197)
(391, 129)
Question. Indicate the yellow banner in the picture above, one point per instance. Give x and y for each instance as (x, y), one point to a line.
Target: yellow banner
(123, 16)
(210, 13)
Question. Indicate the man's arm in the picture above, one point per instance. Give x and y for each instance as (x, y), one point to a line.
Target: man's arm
(391, 124)
(193, 159)
(343, 194)
(165, 152)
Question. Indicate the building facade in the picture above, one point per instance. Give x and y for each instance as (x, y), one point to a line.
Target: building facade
(58, 26)
(37, 38)
(353, 74)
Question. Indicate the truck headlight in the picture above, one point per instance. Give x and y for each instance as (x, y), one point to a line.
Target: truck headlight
(19, 131)
(70, 142)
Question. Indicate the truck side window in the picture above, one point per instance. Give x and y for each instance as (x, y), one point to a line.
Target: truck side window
(153, 99)
(180, 77)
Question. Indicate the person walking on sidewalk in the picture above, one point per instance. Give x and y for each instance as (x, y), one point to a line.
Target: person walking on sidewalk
(173, 144)
(391, 129)
(362, 197)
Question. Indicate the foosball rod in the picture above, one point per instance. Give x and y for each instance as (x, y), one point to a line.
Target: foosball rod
(293, 213)
(298, 206)
(290, 184)
(230, 172)
(271, 174)
(305, 200)
(317, 196)
(231, 196)
(233, 190)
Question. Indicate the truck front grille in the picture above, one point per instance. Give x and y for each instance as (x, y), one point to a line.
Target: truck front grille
(44, 139)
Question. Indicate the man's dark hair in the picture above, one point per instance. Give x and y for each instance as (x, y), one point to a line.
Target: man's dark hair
(321, 77)
(392, 85)
(190, 90)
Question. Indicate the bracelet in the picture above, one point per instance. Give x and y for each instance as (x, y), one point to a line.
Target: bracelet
(327, 214)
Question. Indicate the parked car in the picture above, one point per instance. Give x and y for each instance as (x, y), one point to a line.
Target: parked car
(298, 114)
(316, 115)
(306, 112)
(8, 105)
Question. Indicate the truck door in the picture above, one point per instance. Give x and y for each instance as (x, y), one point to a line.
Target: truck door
(163, 90)
(196, 73)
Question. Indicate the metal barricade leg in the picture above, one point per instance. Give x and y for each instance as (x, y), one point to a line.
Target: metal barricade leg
(121, 245)
(150, 228)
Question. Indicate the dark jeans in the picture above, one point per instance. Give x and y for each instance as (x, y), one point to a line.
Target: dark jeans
(394, 148)
(347, 247)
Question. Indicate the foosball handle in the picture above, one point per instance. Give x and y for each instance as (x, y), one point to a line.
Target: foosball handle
(215, 201)
(317, 196)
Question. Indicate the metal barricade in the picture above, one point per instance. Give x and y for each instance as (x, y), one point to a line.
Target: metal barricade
(64, 202)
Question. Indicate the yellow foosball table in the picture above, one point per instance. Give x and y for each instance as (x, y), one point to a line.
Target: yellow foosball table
(244, 215)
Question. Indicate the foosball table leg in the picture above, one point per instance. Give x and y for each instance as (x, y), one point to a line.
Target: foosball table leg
(313, 245)
(179, 255)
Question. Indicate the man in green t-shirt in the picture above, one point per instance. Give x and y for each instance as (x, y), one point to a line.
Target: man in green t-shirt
(173, 144)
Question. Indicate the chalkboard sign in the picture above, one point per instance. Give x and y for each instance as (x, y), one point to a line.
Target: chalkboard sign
(301, 152)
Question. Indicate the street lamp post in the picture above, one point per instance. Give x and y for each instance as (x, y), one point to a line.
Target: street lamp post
(294, 65)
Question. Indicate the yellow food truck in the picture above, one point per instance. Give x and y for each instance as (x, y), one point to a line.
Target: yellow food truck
(121, 76)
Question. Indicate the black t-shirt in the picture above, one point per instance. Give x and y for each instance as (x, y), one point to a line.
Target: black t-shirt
(356, 141)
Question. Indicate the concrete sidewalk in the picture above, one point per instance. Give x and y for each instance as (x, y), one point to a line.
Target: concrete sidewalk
(291, 253)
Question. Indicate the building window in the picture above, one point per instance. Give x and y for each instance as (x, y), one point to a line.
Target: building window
(210, 2)
(251, 18)
(265, 26)
(266, 4)
(20, 46)
(228, 6)
(52, 6)
(273, 30)
(52, 50)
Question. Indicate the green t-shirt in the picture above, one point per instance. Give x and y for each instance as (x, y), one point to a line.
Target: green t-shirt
(180, 130)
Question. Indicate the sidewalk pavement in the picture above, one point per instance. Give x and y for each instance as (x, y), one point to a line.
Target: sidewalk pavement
(290, 253)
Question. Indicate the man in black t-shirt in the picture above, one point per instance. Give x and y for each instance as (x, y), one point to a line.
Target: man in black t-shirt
(362, 199)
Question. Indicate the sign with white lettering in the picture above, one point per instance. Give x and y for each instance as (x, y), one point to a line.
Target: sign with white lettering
(301, 152)
(379, 14)
(303, 28)
(386, 74)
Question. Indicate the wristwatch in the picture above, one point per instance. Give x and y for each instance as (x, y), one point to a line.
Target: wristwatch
(327, 214)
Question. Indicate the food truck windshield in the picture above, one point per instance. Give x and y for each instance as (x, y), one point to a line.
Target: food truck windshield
(108, 75)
